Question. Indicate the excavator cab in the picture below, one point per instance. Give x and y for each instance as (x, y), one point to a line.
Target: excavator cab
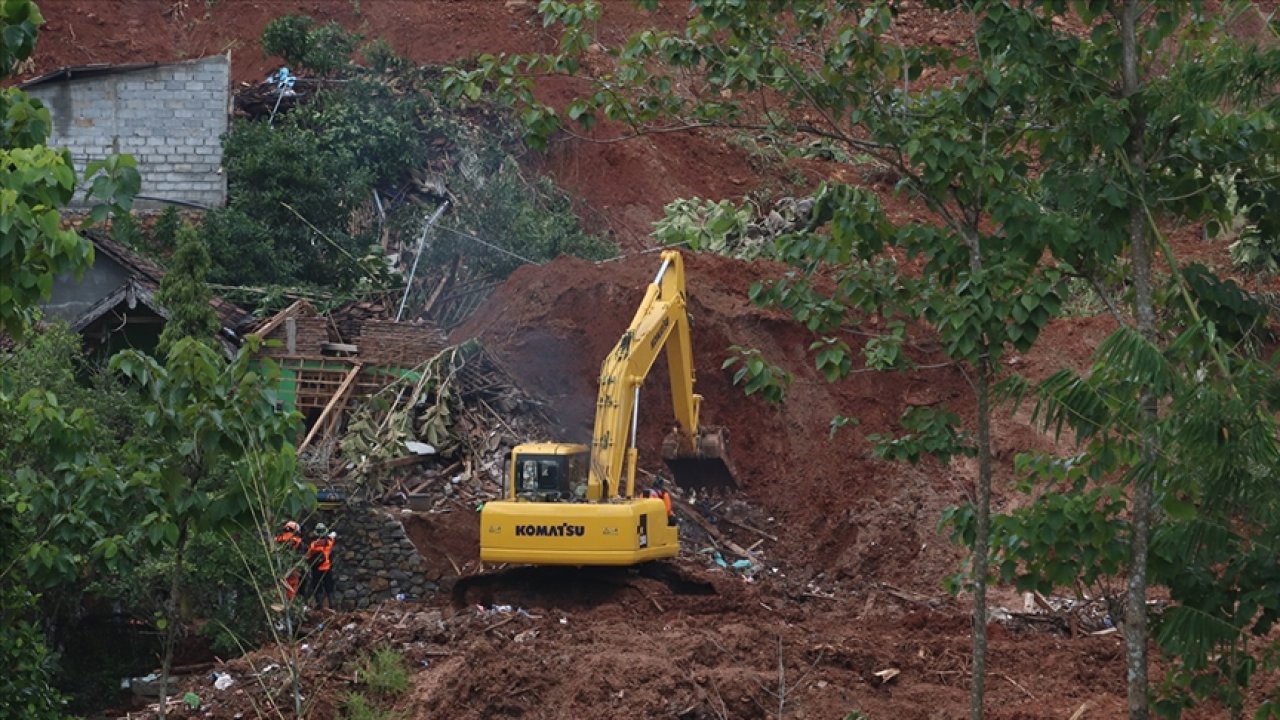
(544, 518)
(548, 472)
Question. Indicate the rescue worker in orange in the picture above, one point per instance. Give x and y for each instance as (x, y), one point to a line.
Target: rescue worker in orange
(290, 540)
(656, 490)
(320, 558)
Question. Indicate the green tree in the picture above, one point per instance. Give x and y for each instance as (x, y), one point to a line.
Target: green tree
(322, 49)
(1041, 154)
(185, 296)
(229, 454)
(323, 189)
(34, 248)
(1172, 120)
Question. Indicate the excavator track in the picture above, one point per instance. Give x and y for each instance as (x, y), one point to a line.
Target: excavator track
(567, 587)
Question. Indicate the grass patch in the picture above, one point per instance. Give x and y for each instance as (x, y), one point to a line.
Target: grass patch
(384, 673)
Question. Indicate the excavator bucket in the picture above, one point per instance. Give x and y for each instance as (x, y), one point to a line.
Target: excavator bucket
(702, 464)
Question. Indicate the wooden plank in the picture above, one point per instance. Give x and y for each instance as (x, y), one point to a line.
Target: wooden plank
(688, 511)
(320, 421)
(745, 526)
(399, 462)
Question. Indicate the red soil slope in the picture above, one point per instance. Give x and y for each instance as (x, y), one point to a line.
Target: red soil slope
(621, 187)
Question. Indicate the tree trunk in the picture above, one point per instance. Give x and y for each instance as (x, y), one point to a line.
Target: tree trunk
(171, 617)
(1135, 622)
(981, 544)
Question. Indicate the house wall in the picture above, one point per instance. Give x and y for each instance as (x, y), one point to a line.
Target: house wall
(169, 117)
(71, 298)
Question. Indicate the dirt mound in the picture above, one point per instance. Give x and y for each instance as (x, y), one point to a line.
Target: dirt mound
(739, 653)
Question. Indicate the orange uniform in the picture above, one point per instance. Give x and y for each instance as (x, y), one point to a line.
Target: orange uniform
(320, 554)
(320, 557)
(291, 539)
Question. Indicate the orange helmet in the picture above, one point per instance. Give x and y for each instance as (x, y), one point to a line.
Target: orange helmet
(291, 526)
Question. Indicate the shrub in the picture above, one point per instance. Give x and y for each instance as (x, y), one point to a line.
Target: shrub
(126, 231)
(384, 672)
(357, 707)
(164, 233)
(323, 49)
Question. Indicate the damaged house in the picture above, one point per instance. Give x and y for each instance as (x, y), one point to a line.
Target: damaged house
(113, 304)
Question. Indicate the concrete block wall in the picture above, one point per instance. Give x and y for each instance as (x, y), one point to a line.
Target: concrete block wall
(171, 118)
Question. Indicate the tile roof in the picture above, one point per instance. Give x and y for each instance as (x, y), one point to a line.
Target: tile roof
(230, 315)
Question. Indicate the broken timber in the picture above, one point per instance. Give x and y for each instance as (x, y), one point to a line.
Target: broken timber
(333, 401)
(688, 511)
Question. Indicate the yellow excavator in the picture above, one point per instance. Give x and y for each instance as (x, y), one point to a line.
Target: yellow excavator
(570, 504)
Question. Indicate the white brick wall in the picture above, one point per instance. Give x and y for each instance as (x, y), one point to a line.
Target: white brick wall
(170, 118)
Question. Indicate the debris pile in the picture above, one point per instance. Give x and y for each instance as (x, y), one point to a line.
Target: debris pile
(451, 420)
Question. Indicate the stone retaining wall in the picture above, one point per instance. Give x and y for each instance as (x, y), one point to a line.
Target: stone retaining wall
(374, 559)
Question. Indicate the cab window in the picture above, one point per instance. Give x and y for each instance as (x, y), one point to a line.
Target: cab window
(541, 475)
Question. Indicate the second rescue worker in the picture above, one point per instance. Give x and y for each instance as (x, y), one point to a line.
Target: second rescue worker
(320, 557)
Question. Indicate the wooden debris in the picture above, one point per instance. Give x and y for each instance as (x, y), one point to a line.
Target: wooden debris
(887, 674)
(333, 402)
(745, 526)
(399, 462)
(687, 510)
(904, 595)
(1018, 685)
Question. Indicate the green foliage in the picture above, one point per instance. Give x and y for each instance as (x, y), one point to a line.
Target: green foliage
(706, 226)
(382, 58)
(62, 513)
(841, 421)
(282, 172)
(126, 231)
(184, 295)
(227, 457)
(756, 375)
(224, 588)
(34, 247)
(931, 432)
(225, 437)
(358, 707)
(114, 180)
(164, 233)
(321, 49)
(298, 183)
(26, 686)
(384, 673)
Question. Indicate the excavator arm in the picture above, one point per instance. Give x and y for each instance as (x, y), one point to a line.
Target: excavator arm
(694, 453)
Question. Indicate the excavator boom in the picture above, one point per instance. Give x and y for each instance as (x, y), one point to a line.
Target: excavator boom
(696, 455)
